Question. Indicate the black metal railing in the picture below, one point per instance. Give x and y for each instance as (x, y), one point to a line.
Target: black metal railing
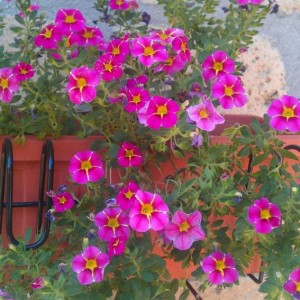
(43, 203)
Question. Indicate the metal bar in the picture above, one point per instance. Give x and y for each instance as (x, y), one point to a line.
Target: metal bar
(2, 183)
(193, 291)
(23, 204)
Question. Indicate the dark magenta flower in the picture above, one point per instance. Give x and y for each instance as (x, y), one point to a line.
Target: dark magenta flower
(116, 246)
(195, 90)
(245, 2)
(69, 20)
(82, 84)
(23, 71)
(90, 36)
(86, 167)
(63, 201)
(166, 36)
(292, 285)
(136, 98)
(119, 49)
(112, 222)
(216, 65)
(108, 67)
(205, 115)
(129, 155)
(230, 91)
(171, 65)
(285, 113)
(126, 195)
(9, 84)
(90, 265)
(48, 37)
(264, 215)
(38, 283)
(184, 229)
(148, 51)
(220, 268)
(180, 45)
(119, 4)
(148, 211)
(162, 112)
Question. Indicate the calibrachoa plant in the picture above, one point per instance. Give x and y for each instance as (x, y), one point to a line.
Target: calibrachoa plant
(155, 186)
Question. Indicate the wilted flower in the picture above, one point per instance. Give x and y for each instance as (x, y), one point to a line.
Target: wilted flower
(38, 283)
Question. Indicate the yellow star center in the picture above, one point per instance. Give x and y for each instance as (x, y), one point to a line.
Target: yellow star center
(288, 112)
(298, 287)
(4, 83)
(229, 91)
(148, 51)
(62, 200)
(91, 264)
(129, 153)
(136, 99)
(113, 223)
(86, 165)
(81, 83)
(70, 19)
(128, 194)
(23, 71)
(108, 67)
(48, 34)
(265, 214)
(162, 110)
(220, 265)
(147, 209)
(218, 66)
(116, 51)
(88, 35)
(203, 114)
(184, 226)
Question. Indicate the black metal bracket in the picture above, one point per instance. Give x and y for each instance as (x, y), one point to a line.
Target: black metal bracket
(6, 191)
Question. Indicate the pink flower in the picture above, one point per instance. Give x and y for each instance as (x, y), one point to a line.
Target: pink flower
(285, 113)
(230, 91)
(184, 229)
(180, 45)
(205, 115)
(48, 37)
(31, 7)
(63, 201)
(116, 246)
(148, 51)
(292, 285)
(38, 283)
(136, 98)
(148, 211)
(253, 2)
(90, 265)
(173, 64)
(220, 268)
(86, 167)
(82, 84)
(108, 67)
(166, 36)
(136, 81)
(119, 49)
(119, 4)
(112, 222)
(126, 195)
(129, 155)
(162, 112)
(69, 20)
(23, 71)
(216, 65)
(9, 84)
(90, 36)
(264, 215)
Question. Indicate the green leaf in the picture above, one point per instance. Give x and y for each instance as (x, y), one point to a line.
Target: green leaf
(287, 154)
(184, 295)
(259, 159)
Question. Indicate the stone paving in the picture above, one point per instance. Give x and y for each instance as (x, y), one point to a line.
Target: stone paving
(272, 62)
